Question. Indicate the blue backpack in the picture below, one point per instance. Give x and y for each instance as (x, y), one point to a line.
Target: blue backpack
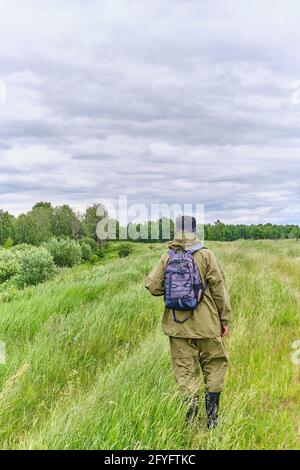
(184, 288)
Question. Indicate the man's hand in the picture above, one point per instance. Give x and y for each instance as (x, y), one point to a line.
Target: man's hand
(224, 330)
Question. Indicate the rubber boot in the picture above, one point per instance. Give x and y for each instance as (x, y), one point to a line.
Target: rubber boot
(192, 410)
(212, 406)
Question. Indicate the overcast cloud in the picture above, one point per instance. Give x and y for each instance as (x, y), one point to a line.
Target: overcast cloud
(162, 101)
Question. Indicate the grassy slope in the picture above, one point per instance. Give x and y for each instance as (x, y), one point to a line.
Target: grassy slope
(88, 366)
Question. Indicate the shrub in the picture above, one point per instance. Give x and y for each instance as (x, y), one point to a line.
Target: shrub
(9, 264)
(91, 242)
(94, 259)
(96, 248)
(65, 252)
(8, 291)
(100, 251)
(125, 250)
(8, 243)
(37, 266)
(86, 252)
(21, 248)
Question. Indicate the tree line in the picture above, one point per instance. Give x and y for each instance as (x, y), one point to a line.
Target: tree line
(45, 221)
(229, 232)
(219, 231)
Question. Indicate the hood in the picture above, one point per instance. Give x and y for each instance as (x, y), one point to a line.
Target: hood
(185, 241)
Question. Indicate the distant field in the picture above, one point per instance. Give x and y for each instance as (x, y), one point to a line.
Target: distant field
(88, 366)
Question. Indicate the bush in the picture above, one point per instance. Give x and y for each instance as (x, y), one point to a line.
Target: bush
(21, 248)
(37, 266)
(94, 259)
(91, 242)
(8, 291)
(96, 248)
(65, 252)
(125, 250)
(9, 264)
(100, 251)
(86, 252)
(8, 243)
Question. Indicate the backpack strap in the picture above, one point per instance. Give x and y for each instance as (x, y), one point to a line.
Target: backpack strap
(196, 248)
(181, 321)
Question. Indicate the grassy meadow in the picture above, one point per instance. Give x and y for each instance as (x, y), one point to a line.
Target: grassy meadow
(88, 366)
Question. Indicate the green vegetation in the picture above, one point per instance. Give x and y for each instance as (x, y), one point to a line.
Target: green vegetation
(125, 250)
(88, 366)
(9, 264)
(45, 222)
(86, 251)
(37, 265)
(24, 265)
(65, 252)
(226, 232)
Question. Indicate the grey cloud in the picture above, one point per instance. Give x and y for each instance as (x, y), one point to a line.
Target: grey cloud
(152, 99)
(95, 156)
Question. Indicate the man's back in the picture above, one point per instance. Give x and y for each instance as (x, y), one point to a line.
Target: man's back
(196, 340)
(213, 311)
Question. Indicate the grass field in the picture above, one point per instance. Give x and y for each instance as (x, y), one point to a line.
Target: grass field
(88, 366)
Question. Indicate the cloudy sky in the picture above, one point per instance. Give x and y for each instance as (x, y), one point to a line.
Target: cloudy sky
(163, 101)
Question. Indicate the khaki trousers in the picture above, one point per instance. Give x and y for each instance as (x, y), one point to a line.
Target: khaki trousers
(189, 355)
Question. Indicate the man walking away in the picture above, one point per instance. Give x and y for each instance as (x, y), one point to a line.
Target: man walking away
(196, 316)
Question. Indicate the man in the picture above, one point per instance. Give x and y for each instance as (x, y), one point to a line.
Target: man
(196, 338)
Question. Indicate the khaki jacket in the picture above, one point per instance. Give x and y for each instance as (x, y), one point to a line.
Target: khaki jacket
(212, 312)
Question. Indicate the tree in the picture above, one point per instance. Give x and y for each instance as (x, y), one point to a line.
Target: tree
(295, 233)
(166, 229)
(25, 230)
(35, 227)
(93, 215)
(7, 222)
(217, 231)
(65, 222)
(42, 214)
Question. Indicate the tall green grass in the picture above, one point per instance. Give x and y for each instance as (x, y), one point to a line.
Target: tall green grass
(88, 366)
